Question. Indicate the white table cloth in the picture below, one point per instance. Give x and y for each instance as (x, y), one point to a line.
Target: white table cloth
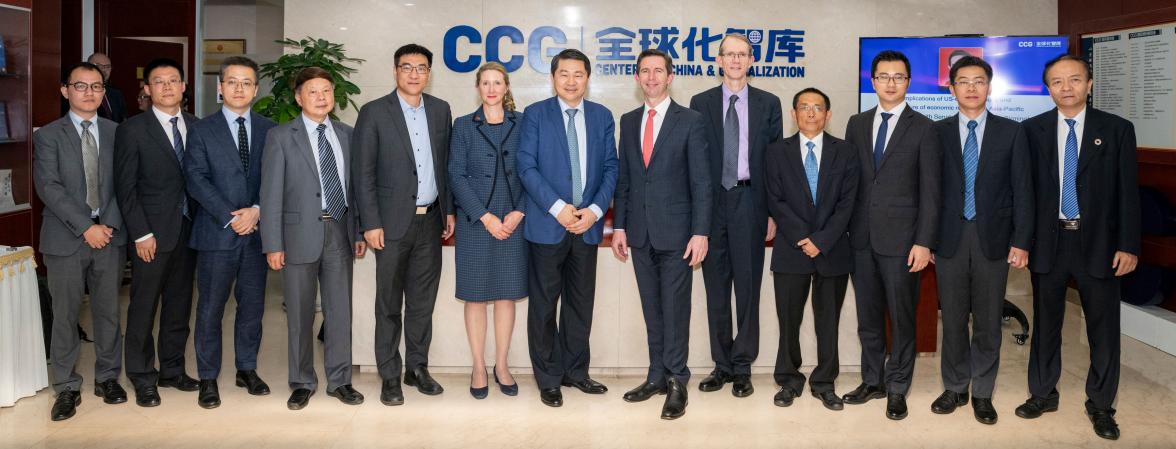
(23, 370)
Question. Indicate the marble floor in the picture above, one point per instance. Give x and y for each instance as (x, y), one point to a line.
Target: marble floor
(1146, 405)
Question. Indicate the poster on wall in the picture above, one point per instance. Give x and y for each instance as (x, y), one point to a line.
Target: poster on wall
(1133, 78)
(1016, 90)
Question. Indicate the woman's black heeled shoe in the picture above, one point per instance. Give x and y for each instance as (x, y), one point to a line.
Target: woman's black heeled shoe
(509, 390)
(479, 393)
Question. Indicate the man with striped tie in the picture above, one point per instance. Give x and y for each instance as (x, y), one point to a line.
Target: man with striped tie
(1087, 230)
(985, 226)
(309, 233)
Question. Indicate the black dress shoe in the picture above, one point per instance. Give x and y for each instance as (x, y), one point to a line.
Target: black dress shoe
(715, 381)
(299, 398)
(110, 391)
(479, 393)
(1103, 420)
(948, 401)
(419, 377)
(209, 396)
(587, 385)
(390, 392)
(1035, 406)
(676, 400)
(181, 382)
(644, 391)
(147, 396)
(251, 383)
(741, 386)
(984, 411)
(863, 394)
(784, 397)
(347, 395)
(65, 405)
(830, 400)
(509, 390)
(551, 397)
(896, 407)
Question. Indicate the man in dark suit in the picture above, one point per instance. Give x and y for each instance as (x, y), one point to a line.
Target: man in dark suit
(309, 233)
(149, 180)
(742, 121)
(568, 165)
(82, 238)
(892, 230)
(402, 194)
(812, 180)
(663, 210)
(114, 105)
(986, 225)
(223, 169)
(1087, 230)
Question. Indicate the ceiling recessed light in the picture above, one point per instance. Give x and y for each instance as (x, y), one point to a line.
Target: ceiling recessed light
(342, 28)
(410, 4)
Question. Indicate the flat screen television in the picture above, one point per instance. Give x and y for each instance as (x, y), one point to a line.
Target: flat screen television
(1016, 89)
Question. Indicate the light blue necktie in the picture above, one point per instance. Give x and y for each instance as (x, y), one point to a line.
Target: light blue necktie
(574, 157)
(1070, 174)
(971, 161)
(880, 141)
(810, 169)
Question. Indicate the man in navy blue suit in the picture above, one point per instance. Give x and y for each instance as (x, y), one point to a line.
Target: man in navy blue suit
(568, 165)
(223, 171)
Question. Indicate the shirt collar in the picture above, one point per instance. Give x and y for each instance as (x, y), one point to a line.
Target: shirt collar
(727, 93)
(563, 106)
(232, 117)
(897, 110)
(661, 108)
(77, 120)
(163, 117)
(312, 125)
(1080, 117)
(805, 140)
(979, 119)
(407, 107)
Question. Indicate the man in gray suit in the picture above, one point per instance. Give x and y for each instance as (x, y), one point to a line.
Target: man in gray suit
(82, 239)
(402, 191)
(308, 232)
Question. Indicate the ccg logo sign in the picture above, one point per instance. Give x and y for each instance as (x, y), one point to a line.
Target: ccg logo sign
(493, 42)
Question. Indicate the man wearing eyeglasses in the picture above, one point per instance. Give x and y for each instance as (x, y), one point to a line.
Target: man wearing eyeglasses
(892, 231)
(223, 170)
(986, 225)
(742, 121)
(405, 208)
(82, 238)
(114, 105)
(149, 179)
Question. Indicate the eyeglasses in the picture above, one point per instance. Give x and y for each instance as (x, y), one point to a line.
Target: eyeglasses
(82, 87)
(233, 84)
(811, 107)
(409, 68)
(979, 84)
(887, 78)
(158, 83)
(734, 55)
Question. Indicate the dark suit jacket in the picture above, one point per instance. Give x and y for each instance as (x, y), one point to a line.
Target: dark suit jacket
(115, 106)
(546, 171)
(669, 202)
(60, 181)
(764, 126)
(473, 164)
(1004, 188)
(291, 197)
(797, 218)
(898, 205)
(1108, 190)
(216, 179)
(148, 180)
(384, 173)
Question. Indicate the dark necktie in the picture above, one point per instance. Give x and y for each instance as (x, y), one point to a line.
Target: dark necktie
(731, 145)
(178, 147)
(880, 140)
(329, 172)
(243, 144)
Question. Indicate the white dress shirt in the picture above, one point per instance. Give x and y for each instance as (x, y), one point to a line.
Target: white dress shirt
(312, 133)
(658, 118)
(817, 148)
(581, 142)
(980, 122)
(891, 124)
(1063, 131)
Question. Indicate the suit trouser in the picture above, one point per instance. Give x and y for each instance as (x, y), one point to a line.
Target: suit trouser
(663, 281)
(884, 285)
(564, 270)
(792, 291)
(216, 272)
(735, 256)
(167, 276)
(971, 285)
(408, 274)
(301, 284)
(102, 270)
(1100, 305)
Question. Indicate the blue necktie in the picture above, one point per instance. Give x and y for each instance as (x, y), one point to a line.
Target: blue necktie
(880, 141)
(329, 172)
(1070, 174)
(178, 147)
(574, 157)
(810, 169)
(971, 161)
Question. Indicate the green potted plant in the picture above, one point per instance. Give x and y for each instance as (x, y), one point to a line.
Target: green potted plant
(280, 105)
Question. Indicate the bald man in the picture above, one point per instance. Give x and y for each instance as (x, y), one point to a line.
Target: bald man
(114, 105)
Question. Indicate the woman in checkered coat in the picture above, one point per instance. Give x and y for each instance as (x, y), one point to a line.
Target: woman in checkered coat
(491, 254)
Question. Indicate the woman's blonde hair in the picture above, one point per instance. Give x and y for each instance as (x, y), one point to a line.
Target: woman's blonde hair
(507, 99)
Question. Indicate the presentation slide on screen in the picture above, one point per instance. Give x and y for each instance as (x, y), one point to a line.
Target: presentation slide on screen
(1016, 90)
(1133, 79)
